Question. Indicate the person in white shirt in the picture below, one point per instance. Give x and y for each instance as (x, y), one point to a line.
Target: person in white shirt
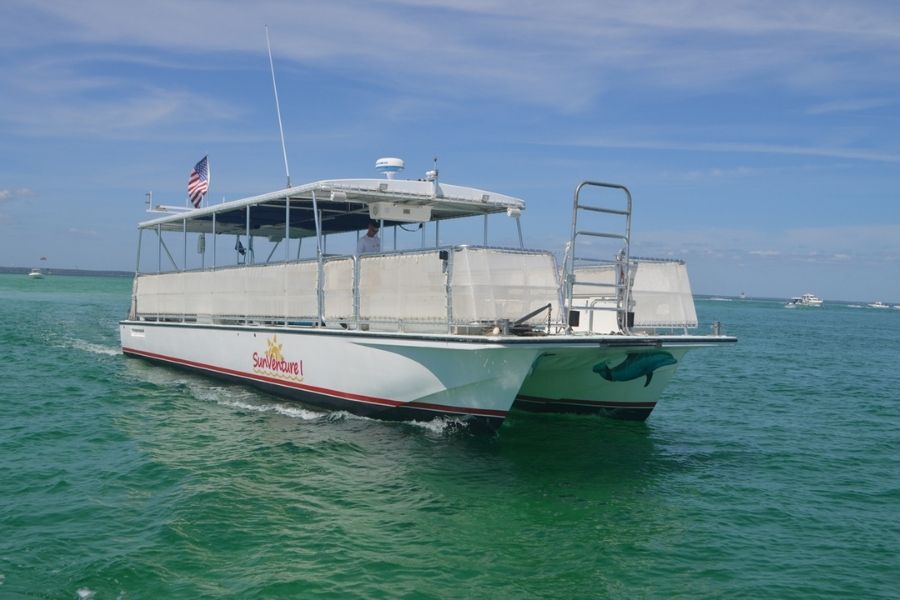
(369, 242)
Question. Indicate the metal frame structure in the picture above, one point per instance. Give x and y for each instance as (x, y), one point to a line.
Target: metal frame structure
(622, 261)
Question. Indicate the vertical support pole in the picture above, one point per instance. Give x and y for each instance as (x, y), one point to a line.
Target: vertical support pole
(569, 267)
(287, 228)
(184, 267)
(629, 279)
(287, 255)
(449, 280)
(137, 264)
(158, 259)
(519, 229)
(214, 240)
(132, 312)
(437, 234)
(320, 290)
(158, 248)
(249, 243)
(485, 230)
(356, 261)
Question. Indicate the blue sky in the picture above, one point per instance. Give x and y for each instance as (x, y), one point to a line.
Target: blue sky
(760, 139)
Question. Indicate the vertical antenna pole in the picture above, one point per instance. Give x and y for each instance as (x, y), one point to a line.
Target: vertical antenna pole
(278, 108)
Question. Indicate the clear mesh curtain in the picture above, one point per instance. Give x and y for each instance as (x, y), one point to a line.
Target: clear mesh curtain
(197, 296)
(604, 274)
(662, 295)
(271, 291)
(227, 288)
(160, 294)
(146, 299)
(300, 286)
(408, 287)
(265, 291)
(493, 284)
(339, 289)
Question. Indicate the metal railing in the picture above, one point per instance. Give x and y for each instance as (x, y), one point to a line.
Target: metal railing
(410, 290)
(622, 284)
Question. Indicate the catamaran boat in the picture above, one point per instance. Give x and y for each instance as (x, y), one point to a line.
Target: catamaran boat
(460, 332)
(805, 300)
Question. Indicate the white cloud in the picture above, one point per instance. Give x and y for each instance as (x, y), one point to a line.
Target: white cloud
(854, 105)
(82, 232)
(56, 98)
(733, 147)
(121, 117)
(839, 244)
(7, 195)
(548, 54)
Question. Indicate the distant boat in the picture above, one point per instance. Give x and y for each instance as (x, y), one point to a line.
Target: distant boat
(743, 296)
(806, 300)
(720, 299)
(36, 273)
(879, 304)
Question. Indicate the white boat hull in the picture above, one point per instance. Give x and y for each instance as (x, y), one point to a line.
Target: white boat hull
(382, 376)
(407, 377)
(622, 383)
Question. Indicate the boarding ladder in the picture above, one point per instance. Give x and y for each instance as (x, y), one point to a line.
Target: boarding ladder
(579, 255)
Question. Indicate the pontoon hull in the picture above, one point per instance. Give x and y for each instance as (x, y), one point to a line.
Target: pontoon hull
(373, 375)
(621, 383)
(404, 378)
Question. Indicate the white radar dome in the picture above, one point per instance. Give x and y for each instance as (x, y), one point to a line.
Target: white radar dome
(389, 166)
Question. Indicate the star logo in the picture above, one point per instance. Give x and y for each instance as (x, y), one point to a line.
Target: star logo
(273, 349)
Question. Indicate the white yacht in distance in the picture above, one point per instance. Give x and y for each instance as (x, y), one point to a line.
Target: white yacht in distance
(806, 300)
(879, 304)
(468, 332)
(36, 274)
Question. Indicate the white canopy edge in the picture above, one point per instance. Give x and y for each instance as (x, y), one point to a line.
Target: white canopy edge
(365, 191)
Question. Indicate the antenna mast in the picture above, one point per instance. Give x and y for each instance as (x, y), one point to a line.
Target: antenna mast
(278, 109)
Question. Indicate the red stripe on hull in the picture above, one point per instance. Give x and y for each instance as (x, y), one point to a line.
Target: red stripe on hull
(482, 412)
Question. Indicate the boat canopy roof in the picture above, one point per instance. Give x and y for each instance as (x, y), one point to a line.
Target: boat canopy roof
(345, 205)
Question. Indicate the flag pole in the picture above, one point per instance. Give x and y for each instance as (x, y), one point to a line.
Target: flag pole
(278, 108)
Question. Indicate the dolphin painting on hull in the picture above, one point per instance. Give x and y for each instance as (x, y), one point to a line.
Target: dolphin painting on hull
(635, 365)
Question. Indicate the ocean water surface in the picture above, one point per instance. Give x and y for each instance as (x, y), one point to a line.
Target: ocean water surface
(769, 468)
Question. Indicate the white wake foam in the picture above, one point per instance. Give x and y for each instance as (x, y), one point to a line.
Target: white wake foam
(439, 425)
(95, 348)
(281, 409)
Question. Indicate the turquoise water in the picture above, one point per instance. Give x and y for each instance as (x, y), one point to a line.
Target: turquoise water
(769, 468)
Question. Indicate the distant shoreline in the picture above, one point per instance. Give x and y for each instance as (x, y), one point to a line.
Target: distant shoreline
(109, 273)
(90, 272)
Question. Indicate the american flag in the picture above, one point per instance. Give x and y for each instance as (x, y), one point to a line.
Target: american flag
(198, 184)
